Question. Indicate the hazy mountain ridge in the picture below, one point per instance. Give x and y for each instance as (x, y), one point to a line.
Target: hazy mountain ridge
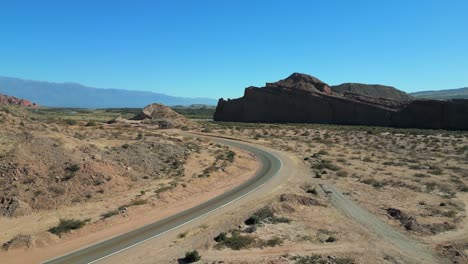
(76, 95)
(460, 93)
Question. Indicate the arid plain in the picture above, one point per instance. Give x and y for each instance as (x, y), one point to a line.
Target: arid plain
(112, 178)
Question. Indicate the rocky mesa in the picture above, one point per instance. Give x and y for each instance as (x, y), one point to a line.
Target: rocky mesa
(301, 98)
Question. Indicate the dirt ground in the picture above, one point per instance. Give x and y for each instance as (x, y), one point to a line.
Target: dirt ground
(313, 221)
(414, 182)
(153, 176)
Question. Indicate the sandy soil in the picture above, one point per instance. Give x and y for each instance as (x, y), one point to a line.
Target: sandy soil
(300, 234)
(161, 206)
(421, 173)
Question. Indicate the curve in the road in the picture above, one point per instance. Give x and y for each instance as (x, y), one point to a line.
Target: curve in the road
(270, 167)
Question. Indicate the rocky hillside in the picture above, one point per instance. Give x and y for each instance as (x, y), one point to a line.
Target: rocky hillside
(372, 90)
(305, 99)
(11, 100)
(461, 93)
(48, 165)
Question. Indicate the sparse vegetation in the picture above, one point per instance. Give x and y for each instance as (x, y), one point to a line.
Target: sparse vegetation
(273, 242)
(221, 237)
(73, 168)
(236, 241)
(265, 215)
(96, 159)
(71, 122)
(317, 259)
(135, 202)
(192, 256)
(91, 123)
(325, 164)
(109, 214)
(66, 225)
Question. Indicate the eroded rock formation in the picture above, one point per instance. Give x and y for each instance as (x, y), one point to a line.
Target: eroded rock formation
(164, 116)
(302, 98)
(11, 100)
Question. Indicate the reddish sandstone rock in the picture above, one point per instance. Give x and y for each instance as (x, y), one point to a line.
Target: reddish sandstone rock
(11, 100)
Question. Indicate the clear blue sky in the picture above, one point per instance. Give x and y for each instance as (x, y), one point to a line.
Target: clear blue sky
(217, 48)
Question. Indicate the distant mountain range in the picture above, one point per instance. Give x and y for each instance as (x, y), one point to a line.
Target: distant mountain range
(461, 93)
(80, 96)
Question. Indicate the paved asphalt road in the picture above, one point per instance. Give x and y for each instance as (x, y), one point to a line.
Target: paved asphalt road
(270, 167)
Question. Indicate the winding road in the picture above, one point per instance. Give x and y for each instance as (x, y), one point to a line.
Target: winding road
(410, 249)
(271, 165)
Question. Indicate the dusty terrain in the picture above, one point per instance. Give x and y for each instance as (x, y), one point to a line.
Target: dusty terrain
(413, 180)
(89, 173)
(313, 222)
(345, 195)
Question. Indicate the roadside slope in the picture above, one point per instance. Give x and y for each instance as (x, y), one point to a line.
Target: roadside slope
(271, 165)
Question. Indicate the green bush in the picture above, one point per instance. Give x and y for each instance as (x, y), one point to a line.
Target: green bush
(221, 237)
(230, 156)
(66, 225)
(192, 256)
(253, 220)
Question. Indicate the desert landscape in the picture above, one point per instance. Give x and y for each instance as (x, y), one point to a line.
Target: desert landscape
(95, 175)
(346, 193)
(234, 132)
